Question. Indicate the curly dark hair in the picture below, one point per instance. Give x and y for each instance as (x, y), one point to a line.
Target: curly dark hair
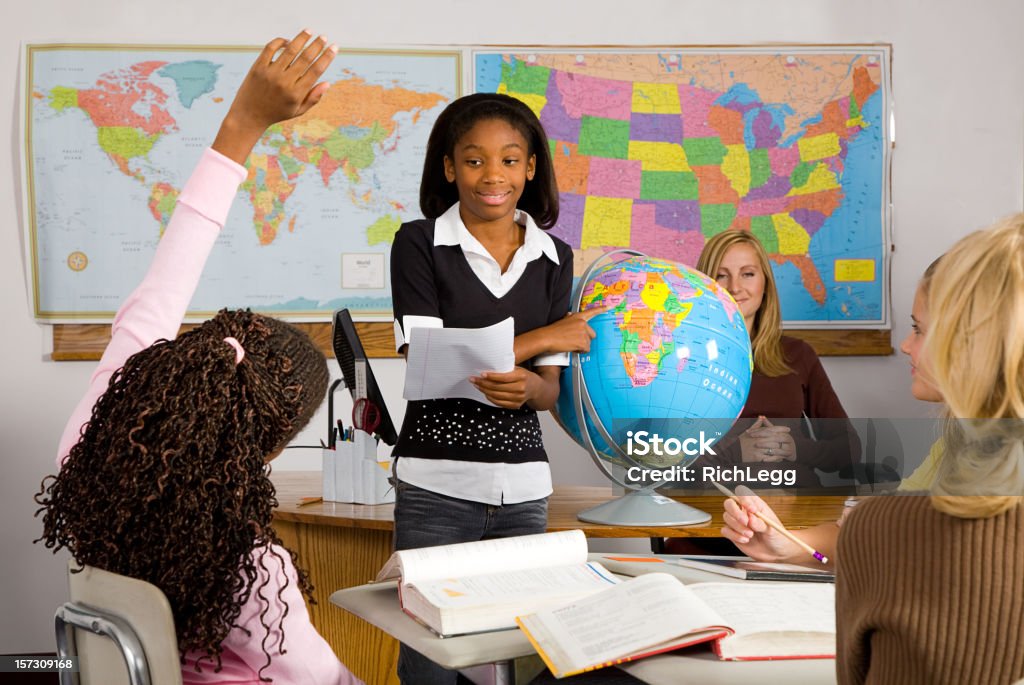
(540, 196)
(169, 481)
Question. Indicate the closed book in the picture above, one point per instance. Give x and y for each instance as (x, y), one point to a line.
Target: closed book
(748, 569)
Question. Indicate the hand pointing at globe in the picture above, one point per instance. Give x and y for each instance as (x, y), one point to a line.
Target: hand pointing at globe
(573, 333)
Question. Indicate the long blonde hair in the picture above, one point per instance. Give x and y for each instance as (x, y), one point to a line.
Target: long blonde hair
(975, 348)
(766, 333)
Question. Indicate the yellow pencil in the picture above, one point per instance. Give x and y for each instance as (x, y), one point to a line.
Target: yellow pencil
(778, 527)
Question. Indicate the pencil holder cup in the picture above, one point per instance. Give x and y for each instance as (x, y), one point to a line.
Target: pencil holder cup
(352, 472)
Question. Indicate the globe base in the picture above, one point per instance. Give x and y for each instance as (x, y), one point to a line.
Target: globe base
(643, 508)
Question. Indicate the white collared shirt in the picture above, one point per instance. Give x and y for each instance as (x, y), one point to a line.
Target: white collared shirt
(479, 481)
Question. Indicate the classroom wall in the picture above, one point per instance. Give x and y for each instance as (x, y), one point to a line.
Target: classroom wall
(959, 96)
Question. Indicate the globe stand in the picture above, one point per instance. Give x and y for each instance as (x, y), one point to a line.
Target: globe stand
(644, 508)
(639, 506)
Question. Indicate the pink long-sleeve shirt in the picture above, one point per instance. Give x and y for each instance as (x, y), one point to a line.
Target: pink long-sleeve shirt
(154, 311)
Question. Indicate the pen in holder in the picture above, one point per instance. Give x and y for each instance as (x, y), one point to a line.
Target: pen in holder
(352, 471)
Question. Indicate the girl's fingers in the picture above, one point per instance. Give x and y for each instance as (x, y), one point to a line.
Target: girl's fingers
(734, 537)
(269, 50)
(490, 386)
(313, 97)
(506, 397)
(291, 50)
(319, 66)
(752, 503)
(306, 57)
(498, 376)
(734, 524)
(588, 314)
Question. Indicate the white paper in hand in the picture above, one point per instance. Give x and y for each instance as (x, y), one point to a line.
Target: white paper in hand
(441, 360)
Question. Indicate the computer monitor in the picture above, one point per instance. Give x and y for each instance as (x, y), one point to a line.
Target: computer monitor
(348, 349)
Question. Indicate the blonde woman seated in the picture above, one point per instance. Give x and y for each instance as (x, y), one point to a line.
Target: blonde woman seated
(793, 419)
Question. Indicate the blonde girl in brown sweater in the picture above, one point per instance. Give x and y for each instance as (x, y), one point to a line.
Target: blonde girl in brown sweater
(928, 588)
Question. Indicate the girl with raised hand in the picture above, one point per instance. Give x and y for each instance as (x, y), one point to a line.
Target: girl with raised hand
(466, 470)
(163, 473)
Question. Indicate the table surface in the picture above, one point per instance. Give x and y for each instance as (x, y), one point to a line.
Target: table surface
(378, 604)
(796, 511)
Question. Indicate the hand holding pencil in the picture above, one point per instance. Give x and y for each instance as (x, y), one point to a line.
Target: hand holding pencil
(752, 525)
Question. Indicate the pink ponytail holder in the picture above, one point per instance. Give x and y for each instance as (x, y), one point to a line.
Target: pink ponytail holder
(239, 352)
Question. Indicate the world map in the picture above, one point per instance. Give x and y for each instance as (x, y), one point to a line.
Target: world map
(112, 134)
(659, 150)
(654, 150)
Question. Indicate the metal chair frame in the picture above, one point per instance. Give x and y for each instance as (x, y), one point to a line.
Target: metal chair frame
(71, 615)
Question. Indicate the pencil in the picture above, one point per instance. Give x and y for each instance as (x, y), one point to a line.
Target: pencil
(778, 527)
(309, 500)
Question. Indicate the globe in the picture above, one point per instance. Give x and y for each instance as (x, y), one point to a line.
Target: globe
(671, 362)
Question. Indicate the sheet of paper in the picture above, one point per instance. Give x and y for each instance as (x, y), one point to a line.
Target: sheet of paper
(441, 360)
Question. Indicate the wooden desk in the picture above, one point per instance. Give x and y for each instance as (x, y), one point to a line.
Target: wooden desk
(344, 545)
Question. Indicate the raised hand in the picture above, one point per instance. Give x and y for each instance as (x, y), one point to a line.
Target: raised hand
(281, 84)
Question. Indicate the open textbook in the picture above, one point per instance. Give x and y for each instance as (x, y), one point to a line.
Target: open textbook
(656, 613)
(479, 586)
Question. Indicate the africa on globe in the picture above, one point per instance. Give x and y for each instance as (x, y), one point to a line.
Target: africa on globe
(672, 357)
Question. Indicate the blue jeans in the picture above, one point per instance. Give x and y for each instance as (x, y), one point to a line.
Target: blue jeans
(427, 519)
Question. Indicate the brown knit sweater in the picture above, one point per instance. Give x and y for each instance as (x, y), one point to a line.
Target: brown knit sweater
(923, 597)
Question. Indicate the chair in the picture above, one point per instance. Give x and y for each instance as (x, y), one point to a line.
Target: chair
(121, 629)
(881, 468)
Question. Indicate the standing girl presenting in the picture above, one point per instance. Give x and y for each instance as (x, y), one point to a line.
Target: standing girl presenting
(163, 472)
(466, 470)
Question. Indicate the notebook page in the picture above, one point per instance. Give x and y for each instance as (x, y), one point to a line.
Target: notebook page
(441, 360)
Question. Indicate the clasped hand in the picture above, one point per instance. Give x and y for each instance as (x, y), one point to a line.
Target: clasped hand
(766, 442)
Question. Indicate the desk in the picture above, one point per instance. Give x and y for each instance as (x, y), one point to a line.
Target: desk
(696, 665)
(344, 545)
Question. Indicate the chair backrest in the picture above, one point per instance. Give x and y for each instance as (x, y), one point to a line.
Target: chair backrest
(121, 629)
